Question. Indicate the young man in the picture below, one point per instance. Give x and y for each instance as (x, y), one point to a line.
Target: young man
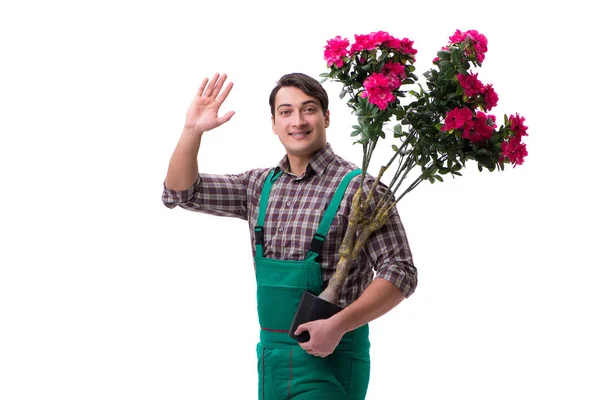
(284, 207)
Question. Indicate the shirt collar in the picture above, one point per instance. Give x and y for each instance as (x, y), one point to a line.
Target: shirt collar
(318, 163)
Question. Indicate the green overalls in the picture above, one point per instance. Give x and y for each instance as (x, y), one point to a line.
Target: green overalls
(285, 370)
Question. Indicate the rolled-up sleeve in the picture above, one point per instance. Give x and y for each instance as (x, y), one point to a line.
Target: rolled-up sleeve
(388, 252)
(221, 195)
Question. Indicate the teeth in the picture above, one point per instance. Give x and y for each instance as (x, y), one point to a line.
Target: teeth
(299, 135)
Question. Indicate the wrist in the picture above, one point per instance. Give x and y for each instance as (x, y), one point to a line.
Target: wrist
(191, 130)
(339, 322)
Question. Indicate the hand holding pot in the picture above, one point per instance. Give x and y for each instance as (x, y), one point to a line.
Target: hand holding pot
(324, 337)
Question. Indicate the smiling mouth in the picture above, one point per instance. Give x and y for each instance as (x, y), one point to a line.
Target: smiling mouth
(299, 135)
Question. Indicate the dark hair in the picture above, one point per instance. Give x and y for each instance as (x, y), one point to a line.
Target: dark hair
(308, 85)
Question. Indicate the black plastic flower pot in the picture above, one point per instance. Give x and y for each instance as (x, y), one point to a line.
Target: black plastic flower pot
(311, 308)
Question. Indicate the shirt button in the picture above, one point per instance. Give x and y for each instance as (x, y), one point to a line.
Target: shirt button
(280, 229)
(288, 204)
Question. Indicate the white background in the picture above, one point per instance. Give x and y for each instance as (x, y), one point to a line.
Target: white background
(107, 294)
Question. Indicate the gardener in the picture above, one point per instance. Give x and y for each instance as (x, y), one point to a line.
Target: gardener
(284, 207)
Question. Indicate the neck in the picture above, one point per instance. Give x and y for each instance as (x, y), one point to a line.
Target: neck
(298, 164)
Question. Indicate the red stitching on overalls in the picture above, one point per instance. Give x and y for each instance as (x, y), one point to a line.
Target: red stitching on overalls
(263, 373)
(274, 330)
(352, 362)
(290, 381)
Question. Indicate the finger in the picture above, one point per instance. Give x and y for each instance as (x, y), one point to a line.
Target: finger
(300, 329)
(202, 87)
(219, 84)
(225, 117)
(211, 85)
(223, 95)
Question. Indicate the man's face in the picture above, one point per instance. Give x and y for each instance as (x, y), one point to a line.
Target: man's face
(299, 122)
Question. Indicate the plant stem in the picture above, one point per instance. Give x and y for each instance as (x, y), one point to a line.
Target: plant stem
(332, 292)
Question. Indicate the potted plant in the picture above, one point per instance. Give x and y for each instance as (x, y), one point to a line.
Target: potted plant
(442, 127)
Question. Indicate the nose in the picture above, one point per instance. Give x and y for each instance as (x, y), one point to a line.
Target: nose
(299, 120)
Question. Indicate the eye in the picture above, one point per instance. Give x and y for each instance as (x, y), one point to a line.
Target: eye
(310, 110)
(284, 112)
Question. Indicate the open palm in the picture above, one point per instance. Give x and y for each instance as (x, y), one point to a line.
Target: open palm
(203, 113)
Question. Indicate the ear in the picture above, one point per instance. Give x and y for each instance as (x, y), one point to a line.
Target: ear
(327, 119)
(273, 124)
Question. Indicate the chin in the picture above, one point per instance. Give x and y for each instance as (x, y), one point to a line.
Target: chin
(302, 149)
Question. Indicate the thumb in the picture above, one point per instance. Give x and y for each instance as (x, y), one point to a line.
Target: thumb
(301, 328)
(225, 118)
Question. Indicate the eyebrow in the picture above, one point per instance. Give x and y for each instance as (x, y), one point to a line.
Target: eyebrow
(303, 103)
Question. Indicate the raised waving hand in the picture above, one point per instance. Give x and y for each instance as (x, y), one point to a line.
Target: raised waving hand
(203, 113)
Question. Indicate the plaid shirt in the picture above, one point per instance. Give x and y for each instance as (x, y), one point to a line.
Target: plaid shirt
(296, 205)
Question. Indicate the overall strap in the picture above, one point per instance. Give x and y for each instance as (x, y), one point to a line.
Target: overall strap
(259, 234)
(316, 245)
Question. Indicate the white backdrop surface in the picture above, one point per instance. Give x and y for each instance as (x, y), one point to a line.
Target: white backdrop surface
(107, 294)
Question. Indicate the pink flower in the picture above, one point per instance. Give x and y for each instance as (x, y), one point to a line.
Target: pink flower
(376, 39)
(363, 42)
(517, 126)
(406, 47)
(336, 50)
(483, 127)
(381, 37)
(458, 118)
(470, 84)
(394, 68)
(457, 37)
(476, 43)
(514, 150)
(395, 72)
(376, 80)
(393, 43)
(378, 91)
(490, 98)
(455, 119)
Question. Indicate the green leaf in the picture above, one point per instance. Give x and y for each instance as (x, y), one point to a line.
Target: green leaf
(367, 67)
(455, 56)
(443, 55)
